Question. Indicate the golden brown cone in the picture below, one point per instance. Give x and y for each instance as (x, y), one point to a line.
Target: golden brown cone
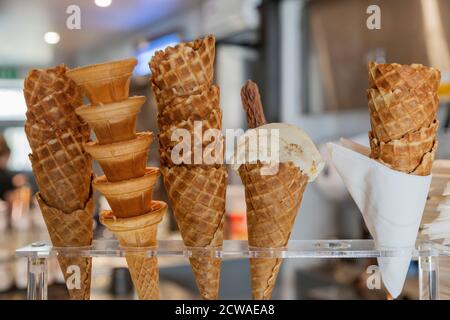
(424, 168)
(272, 206)
(51, 101)
(386, 77)
(113, 122)
(63, 172)
(395, 114)
(402, 99)
(195, 106)
(139, 232)
(72, 229)
(425, 165)
(129, 198)
(213, 151)
(184, 67)
(106, 82)
(172, 97)
(404, 154)
(57, 110)
(122, 160)
(272, 202)
(38, 135)
(197, 195)
(62, 169)
(212, 121)
(40, 83)
(205, 108)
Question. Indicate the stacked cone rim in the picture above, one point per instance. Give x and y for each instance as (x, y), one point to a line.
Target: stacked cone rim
(105, 151)
(152, 217)
(146, 182)
(102, 71)
(126, 108)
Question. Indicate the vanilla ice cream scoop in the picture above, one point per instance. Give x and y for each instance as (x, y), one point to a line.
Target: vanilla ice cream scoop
(279, 143)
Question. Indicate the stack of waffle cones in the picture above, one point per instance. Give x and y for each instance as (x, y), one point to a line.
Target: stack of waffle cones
(62, 169)
(403, 101)
(182, 83)
(122, 153)
(272, 202)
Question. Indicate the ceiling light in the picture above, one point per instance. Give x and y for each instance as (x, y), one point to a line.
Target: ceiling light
(52, 37)
(103, 3)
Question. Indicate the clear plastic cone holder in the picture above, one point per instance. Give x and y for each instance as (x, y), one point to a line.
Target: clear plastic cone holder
(426, 253)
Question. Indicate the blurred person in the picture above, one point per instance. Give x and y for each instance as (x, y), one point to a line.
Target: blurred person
(6, 176)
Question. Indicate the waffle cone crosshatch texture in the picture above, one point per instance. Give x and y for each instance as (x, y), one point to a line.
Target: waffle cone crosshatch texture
(212, 150)
(182, 83)
(403, 103)
(60, 165)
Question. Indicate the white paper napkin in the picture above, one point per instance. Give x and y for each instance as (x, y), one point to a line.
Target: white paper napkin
(390, 201)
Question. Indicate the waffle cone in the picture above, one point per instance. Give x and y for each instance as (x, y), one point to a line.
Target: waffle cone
(122, 160)
(63, 172)
(392, 115)
(407, 153)
(424, 168)
(113, 122)
(72, 229)
(139, 232)
(196, 106)
(198, 129)
(198, 200)
(57, 110)
(105, 83)
(211, 154)
(129, 198)
(172, 96)
(184, 67)
(212, 121)
(51, 101)
(39, 135)
(402, 99)
(272, 206)
(416, 77)
(41, 83)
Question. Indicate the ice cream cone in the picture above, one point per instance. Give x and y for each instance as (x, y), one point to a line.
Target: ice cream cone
(407, 153)
(198, 200)
(51, 100)
(184, 67)
(272, 205)
(63, 172)
(389, 76)
(72, 229)
(62, 169)
(105, 83)
(56, 110)
(129, 198)
(402, 99)
(134, 233)
(212, 121)
(196, 106)
(273, 196)
(113, 122)
(38, 135)
(211, 153)
(392, 115)
(424, 168)
(41, 83)
(167, 97)
(122, 160)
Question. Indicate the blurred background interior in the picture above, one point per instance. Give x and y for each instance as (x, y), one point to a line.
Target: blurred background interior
(310, 61)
